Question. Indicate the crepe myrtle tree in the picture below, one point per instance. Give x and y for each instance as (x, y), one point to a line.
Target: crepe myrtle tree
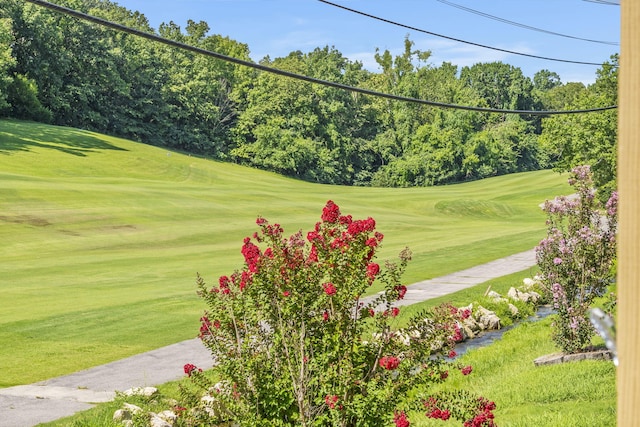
(576, 258)
(294, 343)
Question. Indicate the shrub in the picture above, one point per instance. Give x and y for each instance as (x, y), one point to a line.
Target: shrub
(286, 332)
(576, 258)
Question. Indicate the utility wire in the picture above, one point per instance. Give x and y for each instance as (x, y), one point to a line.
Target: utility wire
(607, 2)
(179, 45)
(453, 38)
(517, 24)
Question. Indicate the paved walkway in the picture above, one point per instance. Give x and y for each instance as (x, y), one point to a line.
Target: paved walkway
(28, 405)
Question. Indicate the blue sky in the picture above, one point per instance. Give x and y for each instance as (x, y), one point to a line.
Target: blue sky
(277, 27)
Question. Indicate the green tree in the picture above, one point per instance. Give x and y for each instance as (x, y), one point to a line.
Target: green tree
(398, 76)
(6, 60)
(500, 85)
(589, 138)
(301, 129)
(23, 99)
(545, 80)
(72, 64)
(502, 148)
(562, 96)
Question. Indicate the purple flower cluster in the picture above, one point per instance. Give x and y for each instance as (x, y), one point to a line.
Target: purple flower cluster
(575, 258)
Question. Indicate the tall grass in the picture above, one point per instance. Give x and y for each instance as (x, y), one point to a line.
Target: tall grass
(102, 238)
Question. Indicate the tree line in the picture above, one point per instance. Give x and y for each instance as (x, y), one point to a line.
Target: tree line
(59, 70)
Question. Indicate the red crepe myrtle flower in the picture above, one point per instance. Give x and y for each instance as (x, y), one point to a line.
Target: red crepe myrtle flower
(389, 362)
(245, 279)
(457, 334)
(251, 254)
(394, 312)
(346, 219)
(372, 270)
(400, 419)
(466, 370)
(402, 290)
(361, 226)
(439, 414)
(329, 288)
(331, 401)
(331, 212)
(189, 368)
(224, 283)
(205, 327)
(313, 255)
(434, 412)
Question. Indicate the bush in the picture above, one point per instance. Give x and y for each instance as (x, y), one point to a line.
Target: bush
(286, 332)
(576, 258)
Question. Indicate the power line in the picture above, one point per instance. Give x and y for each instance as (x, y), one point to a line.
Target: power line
(517, 24)
(607, 2)
(179, 45)
(455, 39)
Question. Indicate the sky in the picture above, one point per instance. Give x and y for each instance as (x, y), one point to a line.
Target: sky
(278, 27)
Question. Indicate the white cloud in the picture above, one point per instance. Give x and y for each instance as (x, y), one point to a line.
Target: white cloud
(367, 58)
(464, 55)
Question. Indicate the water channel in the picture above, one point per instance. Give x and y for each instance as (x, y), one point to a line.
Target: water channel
(489, 337)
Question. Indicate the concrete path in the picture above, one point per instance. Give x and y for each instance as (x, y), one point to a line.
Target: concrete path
(28, 405)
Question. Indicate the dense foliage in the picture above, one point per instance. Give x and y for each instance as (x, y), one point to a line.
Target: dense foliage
(60, 70)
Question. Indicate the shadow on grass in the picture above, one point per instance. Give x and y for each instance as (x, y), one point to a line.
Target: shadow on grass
(25, 136)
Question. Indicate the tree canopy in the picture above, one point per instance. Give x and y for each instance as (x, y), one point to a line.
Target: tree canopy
(63, 71)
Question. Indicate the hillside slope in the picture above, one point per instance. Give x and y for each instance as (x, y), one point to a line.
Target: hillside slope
(102, 237)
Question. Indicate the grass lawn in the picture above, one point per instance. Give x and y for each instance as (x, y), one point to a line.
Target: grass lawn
(573, 394)
(102, 238)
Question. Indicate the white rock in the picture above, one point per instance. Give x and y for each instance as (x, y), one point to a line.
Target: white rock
(121, 415)
(156, 421)
(168, 416)
(535, 297)
(515, 294)
(514, 310)
(530, 296)
(493, 295)
(467, 332)
(141, 391)
(487, 318)
(133, 409)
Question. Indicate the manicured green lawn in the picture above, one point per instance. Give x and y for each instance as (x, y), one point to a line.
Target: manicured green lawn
(102, 238)
(573, 394)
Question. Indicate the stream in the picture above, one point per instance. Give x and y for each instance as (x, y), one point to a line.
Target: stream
(489, 337)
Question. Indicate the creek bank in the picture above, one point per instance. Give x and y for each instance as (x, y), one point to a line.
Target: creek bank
(488, 337)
